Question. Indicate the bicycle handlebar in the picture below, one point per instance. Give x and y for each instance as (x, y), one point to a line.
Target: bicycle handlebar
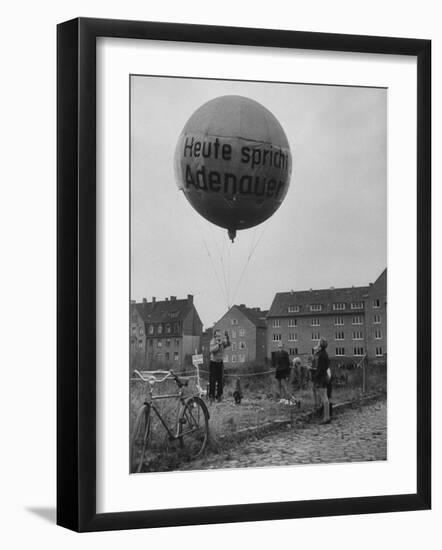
(150, 376)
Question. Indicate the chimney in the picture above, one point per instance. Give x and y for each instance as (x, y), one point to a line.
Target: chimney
(190, 298)
(167, 299)
(144, 302)
(153, 301)
(242, 305)
(172, 298)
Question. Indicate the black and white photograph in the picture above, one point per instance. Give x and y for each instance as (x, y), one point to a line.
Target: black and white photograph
(258, 274)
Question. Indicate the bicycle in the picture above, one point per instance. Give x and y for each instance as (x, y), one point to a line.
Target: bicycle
(191, 427)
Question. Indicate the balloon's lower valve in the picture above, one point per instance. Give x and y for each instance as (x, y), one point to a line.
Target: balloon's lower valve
(232, 234)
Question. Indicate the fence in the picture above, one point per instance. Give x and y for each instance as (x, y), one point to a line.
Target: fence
(362, 378)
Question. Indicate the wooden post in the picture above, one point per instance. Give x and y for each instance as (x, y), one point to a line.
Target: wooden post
(364, 375)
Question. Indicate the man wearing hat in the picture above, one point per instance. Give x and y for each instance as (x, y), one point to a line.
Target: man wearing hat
(322, 377)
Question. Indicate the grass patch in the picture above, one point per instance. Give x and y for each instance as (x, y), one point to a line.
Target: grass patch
(260, 405)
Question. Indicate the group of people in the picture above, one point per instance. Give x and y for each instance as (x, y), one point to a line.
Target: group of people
(320, 375)
(319, 371)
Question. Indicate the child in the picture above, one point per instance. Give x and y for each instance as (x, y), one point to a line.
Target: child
(237, 394)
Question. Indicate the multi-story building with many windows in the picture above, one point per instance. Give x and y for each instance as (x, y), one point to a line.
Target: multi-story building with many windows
(248, 334)
(353, 320)
(164, 333)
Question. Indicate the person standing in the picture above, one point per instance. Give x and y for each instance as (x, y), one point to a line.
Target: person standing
(282, 373)
(216, 366)
(322, 378)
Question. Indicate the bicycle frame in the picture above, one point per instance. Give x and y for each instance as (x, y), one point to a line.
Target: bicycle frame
(150, 398)
(180, 407)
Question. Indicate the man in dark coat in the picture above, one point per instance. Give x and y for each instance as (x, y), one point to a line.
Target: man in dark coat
(282, 373)
(322, 378)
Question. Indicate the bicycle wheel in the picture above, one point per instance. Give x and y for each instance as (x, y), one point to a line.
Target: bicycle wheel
(139, 439)
(194, 427)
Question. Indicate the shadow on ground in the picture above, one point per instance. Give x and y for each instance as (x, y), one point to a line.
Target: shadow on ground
(46, 513)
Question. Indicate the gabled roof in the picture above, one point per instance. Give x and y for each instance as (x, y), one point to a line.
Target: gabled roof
(381, 281)
(254, 314)
(164, 311)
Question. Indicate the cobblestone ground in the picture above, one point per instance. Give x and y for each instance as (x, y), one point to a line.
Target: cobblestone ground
(355, 435)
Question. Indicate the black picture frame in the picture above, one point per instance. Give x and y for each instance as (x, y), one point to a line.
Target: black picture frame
(77, 287)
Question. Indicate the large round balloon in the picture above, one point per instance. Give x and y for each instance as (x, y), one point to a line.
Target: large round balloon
(233, 162)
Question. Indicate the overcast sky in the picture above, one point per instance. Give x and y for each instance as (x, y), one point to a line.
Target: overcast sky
(329, 231)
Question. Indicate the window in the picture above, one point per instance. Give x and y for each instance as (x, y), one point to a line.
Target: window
(339, 306)
(159, 344)
(293, 322)
(150, 342)
(376, 303)
(167, 355)
(277, 337)
(242, 345)
(293, 337)
(141, 331)
(315, 322)
(133, 343)
(150, 329)
(316, 307)
(340, 352)
(358, 351)
(378, 352)
(378, 334)
(339, 335)
(293, 309)
(357, 320)
(233, 358)
(377, 319)
(339, 321)
(226, 358)
(358, 335)
(233, 346)
(159, 356)
(316, 336)
(293, 351)
(176, 327)
(134, 330)
(176, 356)
(241, 357)
(276, 323)
(357, 305)
(140, 344)
(168, 328)
(177, 343)
(233, 333)
(234, 321)
(168, 343)
(242, 332)
(160, 329)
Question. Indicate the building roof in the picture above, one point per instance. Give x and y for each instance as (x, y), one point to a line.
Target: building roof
(381, 281)
(164, 311)
(254, 314)
(326, 297)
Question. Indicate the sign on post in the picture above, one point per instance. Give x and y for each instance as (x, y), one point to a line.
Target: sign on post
(197, 359)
